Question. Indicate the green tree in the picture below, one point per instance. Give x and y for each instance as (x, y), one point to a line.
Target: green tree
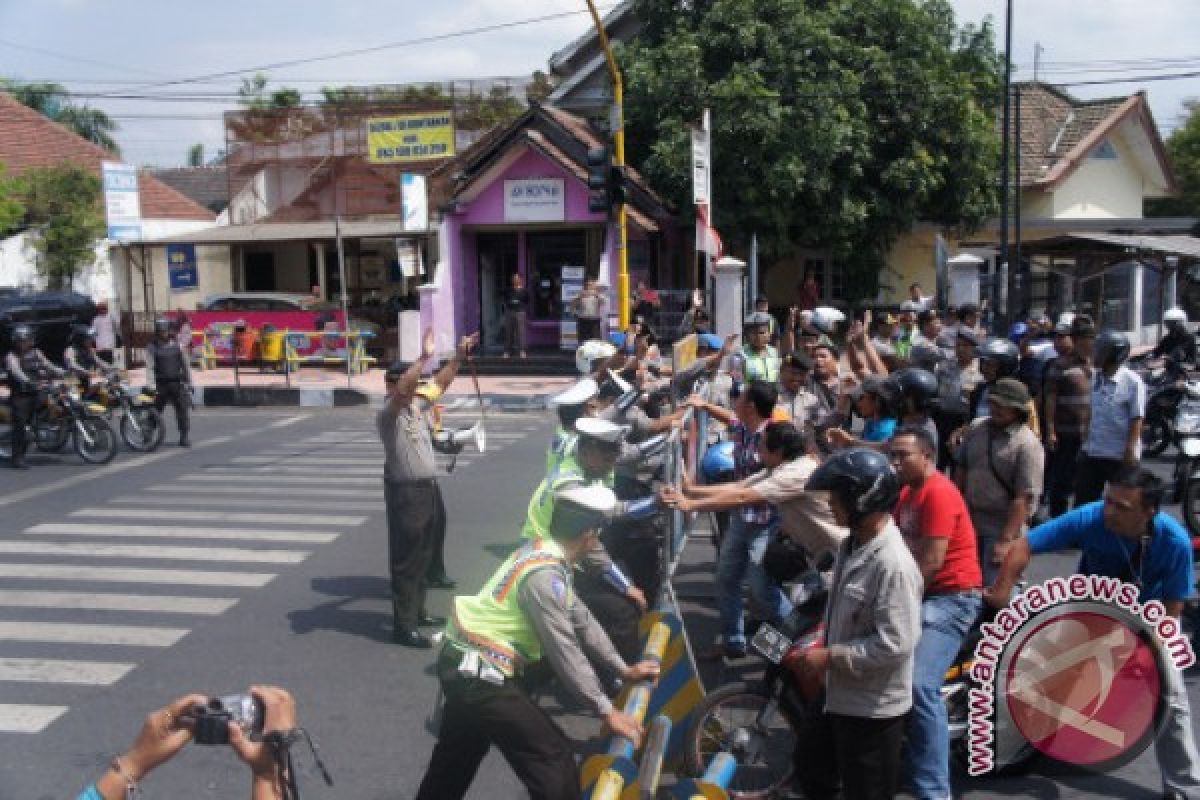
(539, 87)
(54, 101)
(1183, 148)
(254, 96)
(63, 208)
(12, 210)
(195, 155)
(836, 123)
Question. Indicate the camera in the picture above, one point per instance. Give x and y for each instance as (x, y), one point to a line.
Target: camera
(210, 722)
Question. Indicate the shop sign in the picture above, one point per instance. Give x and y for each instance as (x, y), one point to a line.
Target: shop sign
(535, 200)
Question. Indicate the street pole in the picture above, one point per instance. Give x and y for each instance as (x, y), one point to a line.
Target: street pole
(1001, 280)
(337, 234)
(619, 164)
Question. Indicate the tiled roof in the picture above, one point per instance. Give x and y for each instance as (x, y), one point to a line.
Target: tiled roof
(208, 186)
(1053, 124)
(29, 140)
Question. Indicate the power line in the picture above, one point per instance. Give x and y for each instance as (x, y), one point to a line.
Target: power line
(80, 59)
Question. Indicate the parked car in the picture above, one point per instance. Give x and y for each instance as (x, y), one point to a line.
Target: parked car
(50, 313)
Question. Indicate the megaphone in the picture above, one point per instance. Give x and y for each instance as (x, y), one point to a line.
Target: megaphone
(452, 442)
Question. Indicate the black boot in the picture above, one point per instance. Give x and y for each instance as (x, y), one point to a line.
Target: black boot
(184, 441)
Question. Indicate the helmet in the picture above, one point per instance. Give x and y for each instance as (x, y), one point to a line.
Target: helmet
(756, 319)
(591, 351)
(826, 319)
(1017, 332)
(1003, 353)
(22, 333)
(916, 384)
(1176, 315)
(1110, 346)
(863, 479)
(82, 333)
(162, 325)
(718, 465)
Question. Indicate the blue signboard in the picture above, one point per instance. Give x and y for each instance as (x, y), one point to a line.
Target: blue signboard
(181, 267)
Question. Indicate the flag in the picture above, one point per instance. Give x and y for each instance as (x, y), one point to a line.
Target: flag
(707, 238)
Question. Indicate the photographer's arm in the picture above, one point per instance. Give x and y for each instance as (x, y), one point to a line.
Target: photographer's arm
(160, 739)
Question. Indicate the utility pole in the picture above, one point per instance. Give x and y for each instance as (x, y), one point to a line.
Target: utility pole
(619, 164)
(1000, 287)
(1037, 59)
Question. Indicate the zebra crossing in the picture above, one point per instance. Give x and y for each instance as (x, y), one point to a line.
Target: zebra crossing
(80, 601)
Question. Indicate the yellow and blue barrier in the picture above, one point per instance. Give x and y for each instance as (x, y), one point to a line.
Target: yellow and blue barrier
(712, 785)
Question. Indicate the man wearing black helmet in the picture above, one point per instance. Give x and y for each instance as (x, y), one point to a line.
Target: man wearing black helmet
(169, 375)
(81, 357)
(872, 626)
(27, 366)
(1114, 436)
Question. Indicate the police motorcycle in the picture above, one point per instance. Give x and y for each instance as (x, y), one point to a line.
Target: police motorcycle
(139, 422)
(1187, 464)
(63, 417)
(754, 720)
(1165, 389)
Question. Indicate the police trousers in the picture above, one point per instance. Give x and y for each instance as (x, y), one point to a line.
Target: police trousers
(23, 405)
(479, 714)
(413, 511)
(176, 394)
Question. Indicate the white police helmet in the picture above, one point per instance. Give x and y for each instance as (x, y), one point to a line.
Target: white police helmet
(826, 319)
(591, 351)
(1176, 314)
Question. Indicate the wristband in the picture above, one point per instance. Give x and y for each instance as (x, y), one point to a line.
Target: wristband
(131, 785)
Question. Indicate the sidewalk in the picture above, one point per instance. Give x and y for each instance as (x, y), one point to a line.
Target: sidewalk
(327, 387)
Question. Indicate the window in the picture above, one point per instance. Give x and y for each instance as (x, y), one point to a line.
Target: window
(1105, 151)
(1151, 296)
(546, 255)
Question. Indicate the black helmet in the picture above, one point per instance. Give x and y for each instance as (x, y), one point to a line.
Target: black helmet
(81, 334)
(22, 333)
(1001, 351)
(162, 325)
(1110, 346)
(918, 385)
(862, 478)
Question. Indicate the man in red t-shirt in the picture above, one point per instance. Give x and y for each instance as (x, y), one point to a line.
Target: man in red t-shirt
(934, 519)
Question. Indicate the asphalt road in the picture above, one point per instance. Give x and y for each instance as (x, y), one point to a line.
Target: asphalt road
(123, 587)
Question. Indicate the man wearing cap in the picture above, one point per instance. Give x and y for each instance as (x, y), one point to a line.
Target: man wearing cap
(925, 351)
(763, 306)
(527, 611)
(999, 470)
(1067, 391)
(883, 339)
(596, 453)
(907, 322)
(414, 502)
(570, 405)
(758, 360)
(957, 379)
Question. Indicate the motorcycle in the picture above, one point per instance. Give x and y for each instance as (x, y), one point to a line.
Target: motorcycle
(1187, 464)
(1165, 391)
(754, 721)
(64, 417)
(139, 422)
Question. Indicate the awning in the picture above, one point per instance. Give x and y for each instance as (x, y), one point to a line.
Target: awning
(288, 232)
(1165, 245)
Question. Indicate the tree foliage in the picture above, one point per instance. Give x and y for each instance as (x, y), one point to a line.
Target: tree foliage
(1183, 148)
(836, 123)
(54, 101)
(195, 155)
(254, 96)
(12, 210)
(64, 211)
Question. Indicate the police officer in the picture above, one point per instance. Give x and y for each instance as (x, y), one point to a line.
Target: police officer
(570, 405)
(527, 611)
(169, 375)
(81, 357)
(27, 367)
(758, 360)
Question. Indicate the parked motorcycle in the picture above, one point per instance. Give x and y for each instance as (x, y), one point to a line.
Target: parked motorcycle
(1187, 464)
(1165, 391)
(140, 423)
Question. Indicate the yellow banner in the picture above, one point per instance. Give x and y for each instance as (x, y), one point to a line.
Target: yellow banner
(404, 138)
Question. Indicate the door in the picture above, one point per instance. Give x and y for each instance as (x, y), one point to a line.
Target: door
(497, 265)
(260, 272)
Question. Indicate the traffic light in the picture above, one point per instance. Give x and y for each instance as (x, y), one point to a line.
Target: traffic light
(606, 183)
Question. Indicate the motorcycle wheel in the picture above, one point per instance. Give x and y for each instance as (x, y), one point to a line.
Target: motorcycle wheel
(724, 722)
(147, 434)
(1156, 437)
(1191, 506)
(51, 437)
(99, 444)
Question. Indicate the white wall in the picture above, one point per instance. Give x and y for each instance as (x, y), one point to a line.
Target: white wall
(18, 267)
(1102, 188)
(212, 267)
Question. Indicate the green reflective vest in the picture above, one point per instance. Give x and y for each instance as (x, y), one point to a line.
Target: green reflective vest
(541, 505)
(562, 447)
(763, 366)
(493, 622)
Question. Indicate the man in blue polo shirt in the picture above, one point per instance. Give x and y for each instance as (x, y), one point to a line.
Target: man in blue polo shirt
(1126, 536)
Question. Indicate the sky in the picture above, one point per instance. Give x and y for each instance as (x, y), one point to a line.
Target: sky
(107, 47)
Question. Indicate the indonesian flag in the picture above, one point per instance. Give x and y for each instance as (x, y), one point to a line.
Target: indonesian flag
(707, 238)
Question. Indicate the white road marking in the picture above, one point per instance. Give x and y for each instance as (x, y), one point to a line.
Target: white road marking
(43, 670)
(329, 479)
(134, 575)
(19, 718)
(286, 470)
(267, 492)
(157, 532)
(98, 601)
(154, 552)
(283, 423)
(186, 498)
(71, 633)
(220, 516)
(316, 459)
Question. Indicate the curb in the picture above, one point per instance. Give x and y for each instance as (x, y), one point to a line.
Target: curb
(271, 396)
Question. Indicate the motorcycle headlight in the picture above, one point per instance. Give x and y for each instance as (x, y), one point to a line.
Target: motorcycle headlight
(1187, 419)
(1190, 447)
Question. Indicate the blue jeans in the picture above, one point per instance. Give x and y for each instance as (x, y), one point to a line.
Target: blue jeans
(740, 558)
(945, 621)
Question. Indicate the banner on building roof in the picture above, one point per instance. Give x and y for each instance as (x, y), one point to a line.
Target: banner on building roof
(181, 267)
(405, 138)
(122, 207)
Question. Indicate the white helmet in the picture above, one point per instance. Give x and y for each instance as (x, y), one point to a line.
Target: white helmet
(826, 319)
(1175, 314)
(1065, 319)
(591, 351)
